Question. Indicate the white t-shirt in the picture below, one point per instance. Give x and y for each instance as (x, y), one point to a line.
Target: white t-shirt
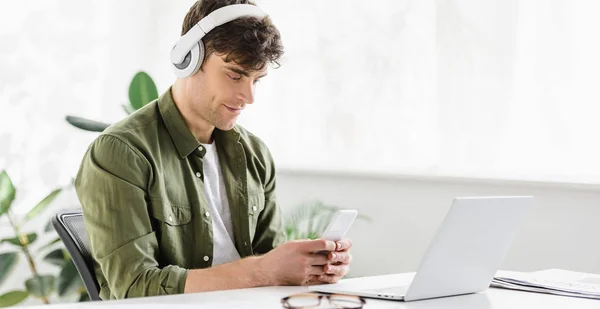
(224, 250)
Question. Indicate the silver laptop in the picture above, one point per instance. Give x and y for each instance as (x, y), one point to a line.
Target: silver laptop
(463, 256)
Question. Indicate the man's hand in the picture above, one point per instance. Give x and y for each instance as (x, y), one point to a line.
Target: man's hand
(298, 263)
(339, 265)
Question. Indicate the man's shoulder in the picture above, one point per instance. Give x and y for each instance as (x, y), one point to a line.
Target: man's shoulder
(138, 123)
(136, 129)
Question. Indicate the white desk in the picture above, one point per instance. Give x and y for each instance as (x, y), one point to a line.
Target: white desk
(269, 297)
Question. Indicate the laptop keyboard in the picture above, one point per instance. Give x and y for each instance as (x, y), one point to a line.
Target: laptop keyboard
(393, 290)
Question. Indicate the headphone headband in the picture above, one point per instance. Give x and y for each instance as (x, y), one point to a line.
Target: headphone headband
(218, 17)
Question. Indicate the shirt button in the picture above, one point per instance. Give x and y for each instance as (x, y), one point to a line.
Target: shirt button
(254, 208)
(200, 148)
(170, 219)
(206, 258)
(198, 174)
(207, 214)
(245, 244)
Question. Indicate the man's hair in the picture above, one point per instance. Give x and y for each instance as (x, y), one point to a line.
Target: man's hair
(248, 41)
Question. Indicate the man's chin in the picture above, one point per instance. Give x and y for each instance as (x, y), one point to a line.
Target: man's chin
(226, 126)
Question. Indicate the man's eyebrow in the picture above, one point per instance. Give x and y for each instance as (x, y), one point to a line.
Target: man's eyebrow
(242, 72)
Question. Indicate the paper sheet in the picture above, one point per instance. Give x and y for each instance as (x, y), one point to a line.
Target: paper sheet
(553, 281)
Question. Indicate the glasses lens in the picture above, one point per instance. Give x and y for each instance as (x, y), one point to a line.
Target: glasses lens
(346, 301)
(303, 301)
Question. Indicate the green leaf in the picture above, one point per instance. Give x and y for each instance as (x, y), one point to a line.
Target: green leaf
(68, 279)
(40, 286)
(86, 124)
(313, 235)
(13, 298)
(7, 192)
(54, 241)
(84, 296)
(56, 257)
(128, 109)
(8, 261)
(27, 239)
(41, 206)
(142, 90)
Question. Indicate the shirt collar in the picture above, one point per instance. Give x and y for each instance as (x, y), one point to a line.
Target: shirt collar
(182, 137)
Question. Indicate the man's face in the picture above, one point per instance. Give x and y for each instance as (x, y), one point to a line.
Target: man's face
(220, 91)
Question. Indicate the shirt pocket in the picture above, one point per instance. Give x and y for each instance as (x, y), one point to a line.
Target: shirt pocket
(174, 230)
(169, 214)
(256, 202)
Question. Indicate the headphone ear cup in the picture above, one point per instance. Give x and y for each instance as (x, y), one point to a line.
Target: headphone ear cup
(191, 63)
(200, 59)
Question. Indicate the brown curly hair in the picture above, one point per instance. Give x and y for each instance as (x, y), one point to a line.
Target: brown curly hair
(249, 42)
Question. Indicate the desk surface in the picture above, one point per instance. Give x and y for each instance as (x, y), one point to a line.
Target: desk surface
(269, 297)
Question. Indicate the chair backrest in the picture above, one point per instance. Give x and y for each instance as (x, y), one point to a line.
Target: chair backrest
(71, 229)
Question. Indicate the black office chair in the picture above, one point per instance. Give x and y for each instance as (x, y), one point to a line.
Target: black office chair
(71, 230)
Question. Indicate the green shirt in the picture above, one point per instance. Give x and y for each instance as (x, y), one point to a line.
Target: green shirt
(141, 189)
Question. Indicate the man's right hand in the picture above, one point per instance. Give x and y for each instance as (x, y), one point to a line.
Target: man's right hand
(296, 262)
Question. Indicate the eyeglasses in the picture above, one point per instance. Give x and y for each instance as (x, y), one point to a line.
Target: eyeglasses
(311, 300)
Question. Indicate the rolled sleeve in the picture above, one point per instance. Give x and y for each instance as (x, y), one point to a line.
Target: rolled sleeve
(112, 187)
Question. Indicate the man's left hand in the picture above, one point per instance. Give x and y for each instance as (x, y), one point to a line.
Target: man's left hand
(339, 263)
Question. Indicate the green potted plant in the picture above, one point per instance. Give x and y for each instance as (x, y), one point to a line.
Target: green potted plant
(41, 284)
(142, 90)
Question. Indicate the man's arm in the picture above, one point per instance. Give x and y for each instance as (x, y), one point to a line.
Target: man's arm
(111, 186)
(240, 274)
(293, 263)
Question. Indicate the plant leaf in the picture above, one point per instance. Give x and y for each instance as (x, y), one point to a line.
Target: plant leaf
(7, 192)
(128, 109)
(54, 241)
(68, 279)
(40, 286)
(84, 296)
(311, 217)
(28, 239)
(87, 124)
(13, 298)
(41, 206)
(142, 90)
(8, 261)
(56, 257)
(313, 236)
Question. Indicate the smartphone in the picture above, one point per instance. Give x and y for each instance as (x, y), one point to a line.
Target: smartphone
(339, 225)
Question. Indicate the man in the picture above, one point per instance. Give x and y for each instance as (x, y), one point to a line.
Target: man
(178, 198)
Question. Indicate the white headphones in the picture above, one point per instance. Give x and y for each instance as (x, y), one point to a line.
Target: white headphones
(188, 52)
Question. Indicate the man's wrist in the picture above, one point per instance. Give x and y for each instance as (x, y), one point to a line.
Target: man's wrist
(260, 274)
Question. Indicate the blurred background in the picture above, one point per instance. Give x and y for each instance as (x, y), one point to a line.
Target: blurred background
(391, 107)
